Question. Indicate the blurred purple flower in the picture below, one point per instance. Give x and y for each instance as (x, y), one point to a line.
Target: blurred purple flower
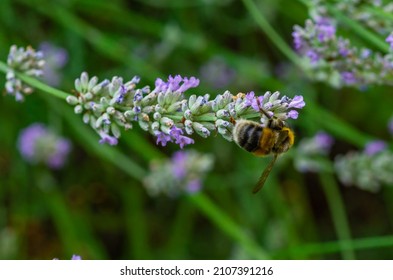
(326, 29)
(182, 173)
(324, 141)
(194, 186)
(389, 40)
(73, 258)
(76, 258)
(390, 126)
(374, 147)
(297, 39)
(39, 145)
(179, 160)
(55, 59)
(348, 78)
(343, 47)
(312, 55)
(310, 150)
(217, 72)
(365, 53)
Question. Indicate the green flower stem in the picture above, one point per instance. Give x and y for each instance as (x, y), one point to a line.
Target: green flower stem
(338, 213)
(284, 212)
(378, 12)
(73, 230)
(226, 224)
(135, 223)
(336, 246)
(272, 34)
(334, 125)
(181, 232)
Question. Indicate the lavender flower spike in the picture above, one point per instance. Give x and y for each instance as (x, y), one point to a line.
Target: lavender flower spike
(332, 58)
(182, 173)
(166, 113)
(26, 61)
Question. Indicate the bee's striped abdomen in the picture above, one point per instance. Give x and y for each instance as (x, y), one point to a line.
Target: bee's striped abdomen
(248, 136)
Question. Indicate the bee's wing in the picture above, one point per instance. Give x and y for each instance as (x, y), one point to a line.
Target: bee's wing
(264, 175)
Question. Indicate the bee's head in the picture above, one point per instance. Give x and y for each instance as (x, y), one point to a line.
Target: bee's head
(276, 123)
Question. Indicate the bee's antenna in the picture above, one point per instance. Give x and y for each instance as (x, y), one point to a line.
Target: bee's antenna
(263, 110)
(265, 113)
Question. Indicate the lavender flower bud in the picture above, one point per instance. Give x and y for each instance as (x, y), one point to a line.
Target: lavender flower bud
(200, 129)
(86, 118)
(188, 127)
(78, 109)
(155, 126)
(143, 124)
(156, 116)
(72, 100)
(167, 122)
(115, 130)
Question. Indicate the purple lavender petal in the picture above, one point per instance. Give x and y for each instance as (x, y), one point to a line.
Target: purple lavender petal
(297, 102)
(106, 138)
(162, 138)
(184, 140)
(293, 114)
(188, 83)
(175, 132)
(248, 99)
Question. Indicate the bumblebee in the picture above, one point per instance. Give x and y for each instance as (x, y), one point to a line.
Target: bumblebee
(275, 138)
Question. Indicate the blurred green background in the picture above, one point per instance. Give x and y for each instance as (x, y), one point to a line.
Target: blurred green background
(97, 207)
